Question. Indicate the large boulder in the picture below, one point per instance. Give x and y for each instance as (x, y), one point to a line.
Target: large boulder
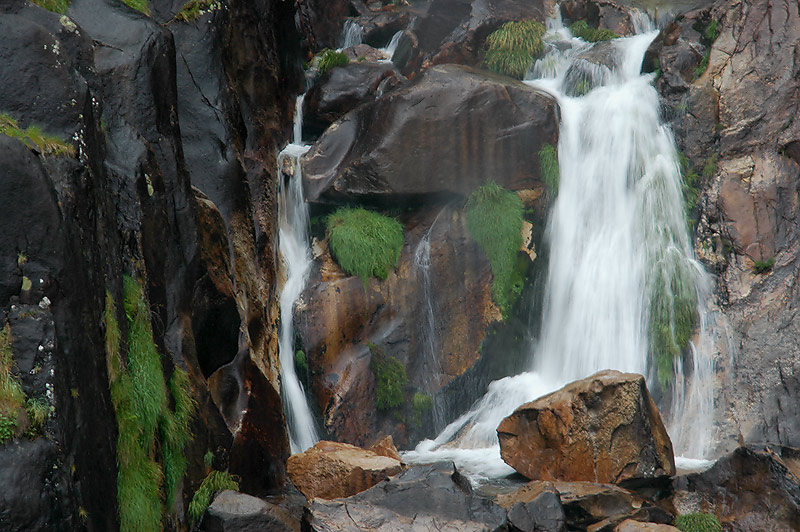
(755, 487)
(330, 470)
(232, 511)
(489, 126)
(605, 428)
(535, 507)
(430, 497)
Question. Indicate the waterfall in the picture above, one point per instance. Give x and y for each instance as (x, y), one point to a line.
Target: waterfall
(390, 48)
(621, 268)
(296, 262)
(352, 34)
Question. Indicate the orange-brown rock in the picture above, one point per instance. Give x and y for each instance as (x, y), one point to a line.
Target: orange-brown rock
(330, 470)
(385, 447)
(629, 525)
(605, 428)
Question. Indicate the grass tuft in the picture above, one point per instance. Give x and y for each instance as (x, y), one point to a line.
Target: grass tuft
(175, 433)
(494, 219)
(329, 59)
(390, 378)
(143, 6)
(548, 162)
(38, 411)
(12, 398)
(195, 8)
(763, 266)
(364, 243)
(56, 6)
(698, 522)
(34, 138)
(512, 48)
(582, 30)
(215, 482)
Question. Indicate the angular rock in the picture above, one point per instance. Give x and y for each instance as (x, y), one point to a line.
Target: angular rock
(755, 487)
(534, 508)
(385, 447)
(393, 146)
(630, 525)
(330, 470)
(605, 428)
(430, 497)
(232, 511)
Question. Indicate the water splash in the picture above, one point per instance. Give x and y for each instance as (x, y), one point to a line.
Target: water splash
(390, 48)
(352, 34)
(295, 253)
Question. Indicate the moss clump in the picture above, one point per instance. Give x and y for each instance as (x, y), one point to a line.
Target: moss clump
(12, 398)
(364, 243)
(56, 6)
(421, 404)
(582, 30)
(698, 522)
(300, 364)
(143, 6)
(328, 59)
(512, 48)
(763, 266)
(194, 8)
(548, 162)
(711, 32)
(215, 482)
(494, 219)
(34, 138)
(390, 378)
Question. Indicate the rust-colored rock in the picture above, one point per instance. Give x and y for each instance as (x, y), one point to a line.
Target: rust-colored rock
(605, 428)
(330, 470)
(385, 447)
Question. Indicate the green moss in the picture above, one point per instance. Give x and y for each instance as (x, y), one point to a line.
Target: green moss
(512, 48)
(215, 482)
(329, 59)
(548, 162)
(142, 6)
(208, 459)
(194, 8)
(34, 138)
(763, 266)
(494, 219)
(421, 404)
(698, 522)
(175, 432)
(300, 364)
(364, 243)
(711, 32)
(56, 6)
(582, 30)
(390, 378)
(12, 398)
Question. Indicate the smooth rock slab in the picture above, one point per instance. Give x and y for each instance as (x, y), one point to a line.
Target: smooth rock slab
(237, 512)
(605, 428)
(330, 470)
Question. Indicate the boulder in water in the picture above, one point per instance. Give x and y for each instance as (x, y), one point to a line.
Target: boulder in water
(330, 470)
(605, 428)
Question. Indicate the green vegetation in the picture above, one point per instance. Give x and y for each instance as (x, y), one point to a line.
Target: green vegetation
(548, 162)
(300, 364)
(38, 411)
(194, 8)
(709, 35)
(698, 522)
(329, 59)
(512, 48)
(145, 422)
(56, 6)
(701, 68)
(139, 5)
(494, 219)
(364, 243)
(34, 138)
(390, 378)
(215, 482)
(208, 459)
(711, 32)
(12, 398)
(690, 184)
(710, 167)
(583, 31)
(581, 88)
(421, 404)
(763, 266)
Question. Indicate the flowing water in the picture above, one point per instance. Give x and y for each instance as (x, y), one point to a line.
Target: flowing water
(296, 261)
(621, 260)
(391, 47)
(352, 34)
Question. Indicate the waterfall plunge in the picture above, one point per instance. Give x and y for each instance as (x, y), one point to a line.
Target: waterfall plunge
(617, 234)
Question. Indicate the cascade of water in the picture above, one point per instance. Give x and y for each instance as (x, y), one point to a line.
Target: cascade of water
(352, 34)
(621, 260)
(390, 48)
(296, 260)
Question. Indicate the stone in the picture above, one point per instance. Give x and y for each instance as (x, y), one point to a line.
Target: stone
(630, 525)
(330, 470)
(605, 428)
(534, 508)
(430, 497)
(385, 447)
(232, 511)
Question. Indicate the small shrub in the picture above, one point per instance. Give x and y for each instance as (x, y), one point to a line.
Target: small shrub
(548, 162)
(194, 8)
(494, 219)
(390, 377)
(56, 6)
(512, 48)
(8, 427)
(582, 30)
(763, 266)
(421, 404)
(143, 6)
(698, 522)
(34, 138)
(364, 243)
(329, 59)
(215, 482)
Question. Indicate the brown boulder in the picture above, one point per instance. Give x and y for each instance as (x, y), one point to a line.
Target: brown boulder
(330, 470)
(605, 428)
(385, 447)
(629, 525)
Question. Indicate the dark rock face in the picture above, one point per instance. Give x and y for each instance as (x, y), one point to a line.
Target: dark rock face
(604, 428)
(236, 512)
(534, 508)
(394, 145)
(752, 488)
(417, 499)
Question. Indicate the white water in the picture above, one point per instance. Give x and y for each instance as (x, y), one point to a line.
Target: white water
(296, 261)
(352, 34)
(617, 234)
(390, 48)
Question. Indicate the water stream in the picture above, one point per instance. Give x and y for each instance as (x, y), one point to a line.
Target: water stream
(619, 248)
(295, 253)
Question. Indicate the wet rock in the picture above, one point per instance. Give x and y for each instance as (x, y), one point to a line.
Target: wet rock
(534, 508)
(237, 512)
(330, 470)
(600, 14)
(604, 428)
(431, 497)
(753, 488)
(385, 447)
(342, 89)
(365, 154)
(364, 53)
